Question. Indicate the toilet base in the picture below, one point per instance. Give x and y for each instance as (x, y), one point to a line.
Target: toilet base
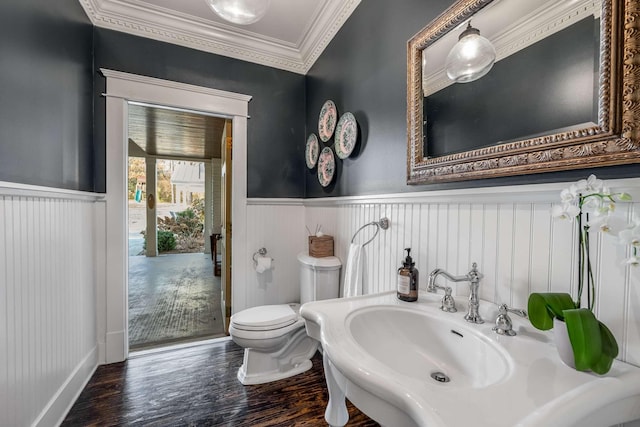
(260, 367)
(273, 376)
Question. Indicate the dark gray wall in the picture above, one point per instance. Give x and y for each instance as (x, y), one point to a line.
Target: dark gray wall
(363, 70)
(275, 130)
(46, 94)
(47, 71)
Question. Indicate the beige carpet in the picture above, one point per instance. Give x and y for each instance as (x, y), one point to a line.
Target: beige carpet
(172, 298)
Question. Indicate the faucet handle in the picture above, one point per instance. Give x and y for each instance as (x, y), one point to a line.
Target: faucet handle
(448, 304)
(504, 308)
(504, 325)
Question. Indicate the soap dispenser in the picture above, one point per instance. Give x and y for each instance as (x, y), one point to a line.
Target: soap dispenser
(408, 279)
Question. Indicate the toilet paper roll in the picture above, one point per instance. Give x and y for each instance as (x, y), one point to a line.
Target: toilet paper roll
(263, 264)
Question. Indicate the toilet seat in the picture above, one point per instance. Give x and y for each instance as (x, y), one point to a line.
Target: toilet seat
(266, 317)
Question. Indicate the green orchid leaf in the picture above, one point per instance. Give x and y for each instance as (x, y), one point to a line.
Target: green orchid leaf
(543, 307)
(609, 351)
(609, 344)
(586, 339)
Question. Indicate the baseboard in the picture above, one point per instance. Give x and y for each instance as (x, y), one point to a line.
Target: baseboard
(60, 404)
(115, 350)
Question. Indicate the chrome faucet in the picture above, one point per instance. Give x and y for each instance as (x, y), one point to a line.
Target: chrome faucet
(504, 325)
(473, 277)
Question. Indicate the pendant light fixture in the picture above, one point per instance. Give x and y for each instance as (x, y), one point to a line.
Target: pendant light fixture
(471, 57)
(242, 12)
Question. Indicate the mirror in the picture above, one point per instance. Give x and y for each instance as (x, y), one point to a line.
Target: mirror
(561, 95)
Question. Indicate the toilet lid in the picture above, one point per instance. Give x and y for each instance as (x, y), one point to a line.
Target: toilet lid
(265, 317)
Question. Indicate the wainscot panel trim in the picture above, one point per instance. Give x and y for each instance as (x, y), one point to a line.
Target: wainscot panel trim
(530, 193)
(26, 190)
(274, 202)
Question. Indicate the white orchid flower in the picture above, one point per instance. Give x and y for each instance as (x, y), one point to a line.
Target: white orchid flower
(592, 203)
(604, 207)
(565, 211)
(608, 224)
(591, 197)
(569, 195)
(630, 236)
(575, 189)
(589, 186)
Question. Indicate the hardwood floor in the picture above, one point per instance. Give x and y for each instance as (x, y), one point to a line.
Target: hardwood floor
(197, 386)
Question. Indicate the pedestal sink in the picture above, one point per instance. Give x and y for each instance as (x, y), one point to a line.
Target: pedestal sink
(427, 347)
(410, 364)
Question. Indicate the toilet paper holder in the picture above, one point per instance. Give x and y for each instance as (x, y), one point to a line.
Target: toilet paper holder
(261, 252)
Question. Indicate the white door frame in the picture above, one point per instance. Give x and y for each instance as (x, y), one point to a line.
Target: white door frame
(112, 299)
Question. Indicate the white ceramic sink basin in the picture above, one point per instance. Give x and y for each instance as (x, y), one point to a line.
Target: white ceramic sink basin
(426, 346)
(380, 352)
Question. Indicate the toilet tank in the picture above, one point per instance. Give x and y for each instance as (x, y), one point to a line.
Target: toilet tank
(319, 277)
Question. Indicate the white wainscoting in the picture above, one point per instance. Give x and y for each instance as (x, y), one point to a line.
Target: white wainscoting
(278, 226)
(48, 340)
(50, 241)
(518, 246)
(508, 231)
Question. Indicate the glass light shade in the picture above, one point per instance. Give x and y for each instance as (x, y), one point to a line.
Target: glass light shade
(242, 12)
(471, 58)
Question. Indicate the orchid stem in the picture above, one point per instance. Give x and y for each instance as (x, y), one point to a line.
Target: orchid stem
(591, 289)
(580, 256)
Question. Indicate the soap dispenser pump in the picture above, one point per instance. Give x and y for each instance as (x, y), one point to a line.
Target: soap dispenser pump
(408, 279)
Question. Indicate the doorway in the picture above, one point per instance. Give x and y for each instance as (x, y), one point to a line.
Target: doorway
(174, 294)
(122, 89)
(174, 160)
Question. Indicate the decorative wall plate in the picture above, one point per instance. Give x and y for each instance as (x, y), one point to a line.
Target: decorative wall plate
(346, 135)
(311, 151)
(326, 166)
(327, 120)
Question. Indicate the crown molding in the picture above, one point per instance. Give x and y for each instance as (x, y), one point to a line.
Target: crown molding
(324, 29)
(137, 18)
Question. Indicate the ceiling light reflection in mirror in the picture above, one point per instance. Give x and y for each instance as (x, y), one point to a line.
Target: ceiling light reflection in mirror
(510, 26)
(471, 57)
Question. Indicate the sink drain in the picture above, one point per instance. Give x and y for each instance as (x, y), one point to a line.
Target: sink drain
(440, 377)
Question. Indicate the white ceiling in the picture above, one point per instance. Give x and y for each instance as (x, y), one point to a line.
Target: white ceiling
(291, 36)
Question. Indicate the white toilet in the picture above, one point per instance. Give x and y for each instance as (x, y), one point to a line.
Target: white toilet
(274, 339)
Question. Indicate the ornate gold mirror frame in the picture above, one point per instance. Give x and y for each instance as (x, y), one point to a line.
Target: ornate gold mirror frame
(614, 140)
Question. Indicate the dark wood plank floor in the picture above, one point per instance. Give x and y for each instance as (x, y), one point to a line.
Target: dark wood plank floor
(197, 386)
